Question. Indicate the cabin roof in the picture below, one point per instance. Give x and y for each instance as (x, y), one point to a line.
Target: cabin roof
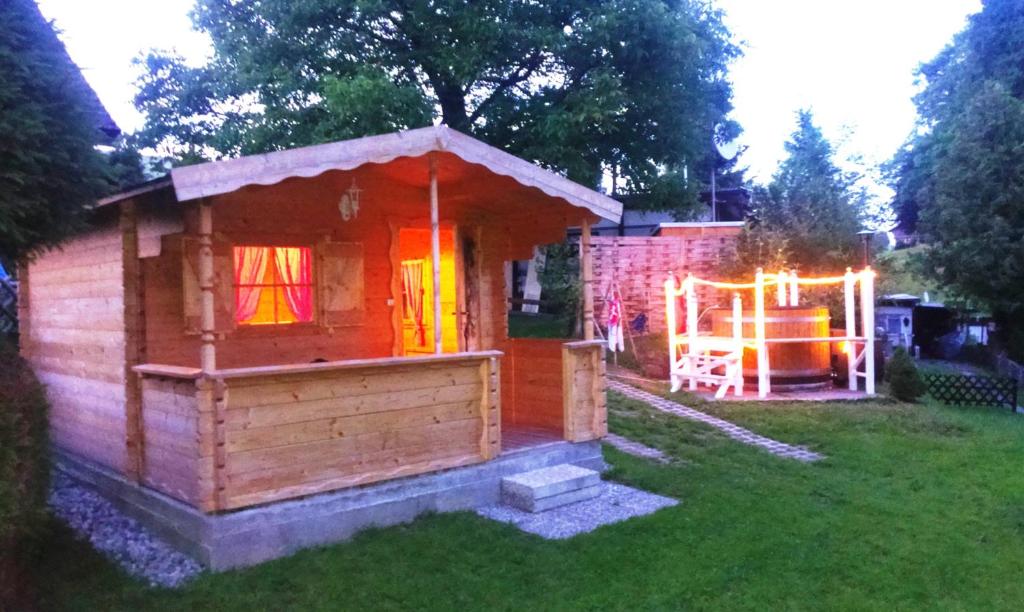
(404, 154)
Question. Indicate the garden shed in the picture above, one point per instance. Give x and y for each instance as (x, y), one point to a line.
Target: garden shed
(275, 326)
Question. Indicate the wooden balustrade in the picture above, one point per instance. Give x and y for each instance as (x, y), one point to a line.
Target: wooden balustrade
(255, 435)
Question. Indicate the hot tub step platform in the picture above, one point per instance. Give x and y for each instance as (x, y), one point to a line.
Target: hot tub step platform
(550, 487)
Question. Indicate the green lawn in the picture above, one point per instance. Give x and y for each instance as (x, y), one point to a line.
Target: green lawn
(542, 325)
(915, 507)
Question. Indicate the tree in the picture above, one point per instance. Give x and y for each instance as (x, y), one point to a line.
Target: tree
(808, 216)
(49, 170)
(962, 172)
(579, 86)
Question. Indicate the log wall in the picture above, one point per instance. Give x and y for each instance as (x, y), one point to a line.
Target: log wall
(291, 433)
(584, 396)
(641, 265)
(172, 434)
(532, 375)
(74, 338)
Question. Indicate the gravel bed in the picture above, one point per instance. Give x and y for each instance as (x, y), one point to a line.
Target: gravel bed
(117, 537)
(615, 503)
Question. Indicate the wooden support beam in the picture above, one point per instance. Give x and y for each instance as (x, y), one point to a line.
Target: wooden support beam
(207, 322)
(691, 327)
(763, 381)
(134, 333)
(867, 312)
(587, 272)
(435, 254)
(851, 329)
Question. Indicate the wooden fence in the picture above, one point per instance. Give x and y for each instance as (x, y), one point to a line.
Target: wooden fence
(963, 390)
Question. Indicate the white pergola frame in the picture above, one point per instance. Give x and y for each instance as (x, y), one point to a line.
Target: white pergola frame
(696, 358)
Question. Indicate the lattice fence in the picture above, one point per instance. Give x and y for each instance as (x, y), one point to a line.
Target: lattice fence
(8, 306)
(963, 390)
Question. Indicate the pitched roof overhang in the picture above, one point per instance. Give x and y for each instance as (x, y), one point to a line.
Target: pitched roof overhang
(220, 177)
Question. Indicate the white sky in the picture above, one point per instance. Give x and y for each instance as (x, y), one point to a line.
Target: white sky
(850, 61)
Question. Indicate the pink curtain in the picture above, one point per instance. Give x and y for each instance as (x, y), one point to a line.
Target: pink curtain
(250, 266)
(412, 280)
(294, 265)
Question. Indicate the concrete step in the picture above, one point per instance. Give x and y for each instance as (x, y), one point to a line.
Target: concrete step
(550, 487)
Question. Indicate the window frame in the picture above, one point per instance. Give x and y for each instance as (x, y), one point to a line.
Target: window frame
(314, 285)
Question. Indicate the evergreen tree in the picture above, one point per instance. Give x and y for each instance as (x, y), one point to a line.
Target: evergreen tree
(579, 86)
(808, 217)
(961, 176)
(50, 171)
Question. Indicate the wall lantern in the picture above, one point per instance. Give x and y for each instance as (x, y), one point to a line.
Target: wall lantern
(348, 206)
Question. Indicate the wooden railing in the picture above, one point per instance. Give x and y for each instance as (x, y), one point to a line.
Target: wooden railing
(583, 390)
(558, 385)
(270, 433)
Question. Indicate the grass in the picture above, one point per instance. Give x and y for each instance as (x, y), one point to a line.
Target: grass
(916, 506)
(901, 275)
(541, 325)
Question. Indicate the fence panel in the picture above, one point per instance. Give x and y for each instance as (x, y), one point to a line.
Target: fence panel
(963, 390)
(8, 306)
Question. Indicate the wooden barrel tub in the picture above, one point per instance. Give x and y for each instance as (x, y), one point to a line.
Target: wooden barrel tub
(790, 365)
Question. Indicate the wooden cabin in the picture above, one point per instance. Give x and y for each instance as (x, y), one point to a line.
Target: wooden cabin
(280, 325)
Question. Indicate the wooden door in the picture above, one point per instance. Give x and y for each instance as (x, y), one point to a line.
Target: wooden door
(467, 242)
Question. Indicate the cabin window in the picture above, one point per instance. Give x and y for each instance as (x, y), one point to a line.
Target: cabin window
(273, 285)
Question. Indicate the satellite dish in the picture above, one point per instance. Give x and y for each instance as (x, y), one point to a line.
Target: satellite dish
(726, 148)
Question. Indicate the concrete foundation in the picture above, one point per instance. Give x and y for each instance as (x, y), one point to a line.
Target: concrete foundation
(253, 535)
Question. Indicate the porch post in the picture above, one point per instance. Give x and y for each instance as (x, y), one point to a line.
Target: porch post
(207, 323)
(851, 330)
(587, 271)
(867, 312)
(435, 254)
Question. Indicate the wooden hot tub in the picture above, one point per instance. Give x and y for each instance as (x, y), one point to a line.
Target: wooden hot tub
(796, 364)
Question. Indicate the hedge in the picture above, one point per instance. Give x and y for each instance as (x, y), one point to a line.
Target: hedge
(24, 472)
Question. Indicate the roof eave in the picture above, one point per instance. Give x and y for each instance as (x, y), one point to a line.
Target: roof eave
(216, 178)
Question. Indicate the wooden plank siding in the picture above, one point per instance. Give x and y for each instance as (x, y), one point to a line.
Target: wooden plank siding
(640, 265)
(556, 385)
(532, 373)
(173, 438)
(584, 397)
(281, 435)
(73, 335)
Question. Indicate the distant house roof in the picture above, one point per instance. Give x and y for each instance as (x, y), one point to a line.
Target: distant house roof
(104, 123)
(899, 299)
(406, 151)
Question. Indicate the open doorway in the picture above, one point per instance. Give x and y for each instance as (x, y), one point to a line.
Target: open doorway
(417, 283)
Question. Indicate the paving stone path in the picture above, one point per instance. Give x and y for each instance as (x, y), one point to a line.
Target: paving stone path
(735, 432)
(633, 447)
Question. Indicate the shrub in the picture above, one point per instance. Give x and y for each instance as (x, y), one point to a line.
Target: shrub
(905, 382)
(24, 473)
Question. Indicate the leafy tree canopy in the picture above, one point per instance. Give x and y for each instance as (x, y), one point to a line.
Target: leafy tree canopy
(49, 169)
(808, 216)
(961, 175)
(579, 86)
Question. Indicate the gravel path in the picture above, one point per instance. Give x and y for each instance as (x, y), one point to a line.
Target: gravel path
(740, 434)
(615, 503)
(117, 537)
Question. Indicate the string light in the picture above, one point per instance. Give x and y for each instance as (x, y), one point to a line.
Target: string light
(682, 366)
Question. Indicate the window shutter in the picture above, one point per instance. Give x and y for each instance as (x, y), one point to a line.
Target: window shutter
(342, 298)
(223, 288)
